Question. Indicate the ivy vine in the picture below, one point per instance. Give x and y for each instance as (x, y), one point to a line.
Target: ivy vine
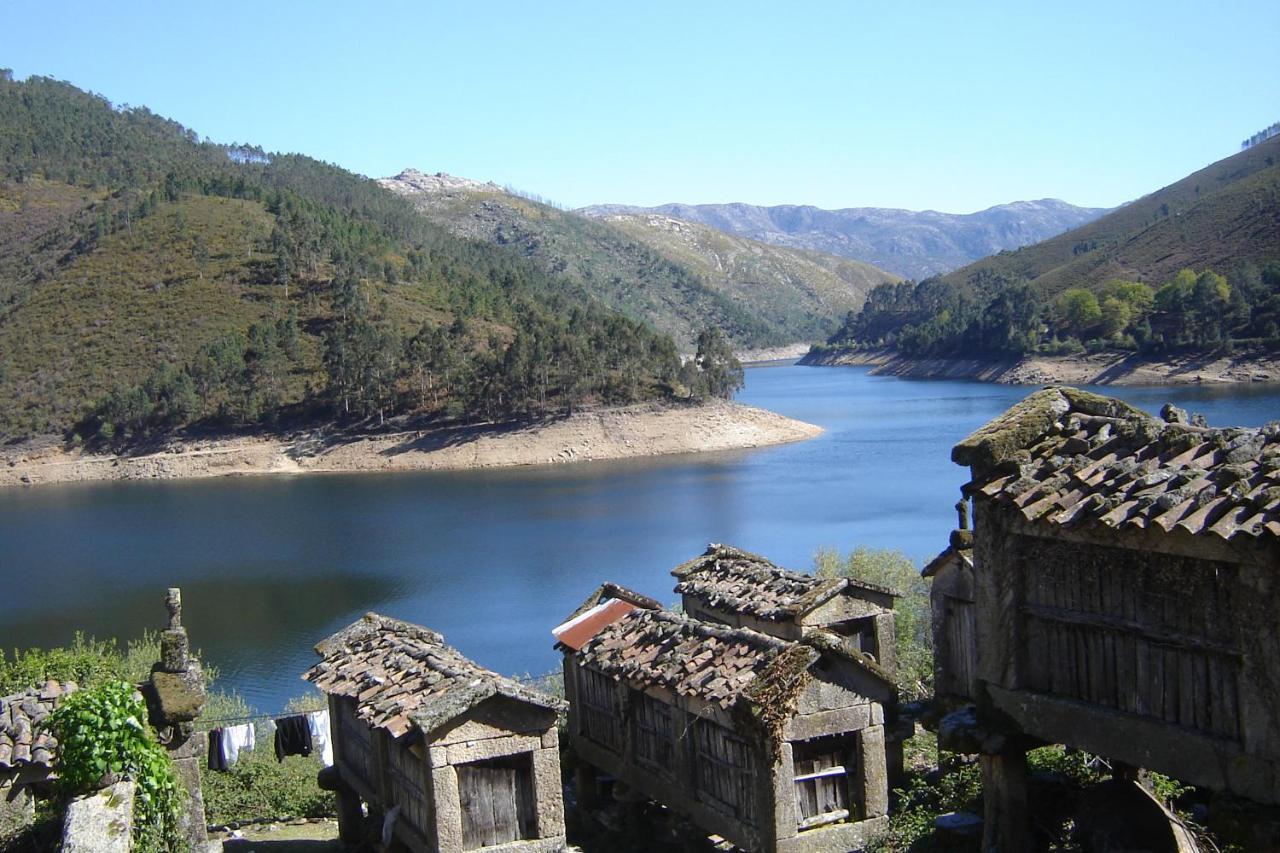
(102, 732)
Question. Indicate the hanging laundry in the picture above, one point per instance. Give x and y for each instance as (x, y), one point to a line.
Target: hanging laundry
(216, 761)
(318, 725)
(235, 739)
(293, 736)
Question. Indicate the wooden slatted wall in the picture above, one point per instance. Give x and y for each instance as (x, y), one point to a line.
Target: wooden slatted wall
(1154, 641)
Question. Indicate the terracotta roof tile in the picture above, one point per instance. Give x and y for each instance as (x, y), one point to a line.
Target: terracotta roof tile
(657, 648)
(404, 676)
(732, 579)
(22, 742)
(1096, 461)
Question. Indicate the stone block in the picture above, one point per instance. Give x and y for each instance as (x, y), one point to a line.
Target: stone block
(175, 650)
(180, 695)
(101, 822)
(874, 780)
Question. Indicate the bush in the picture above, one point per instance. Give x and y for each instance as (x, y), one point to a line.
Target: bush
(258, 786)
(911, 825)
(103, 731)
(913, 619)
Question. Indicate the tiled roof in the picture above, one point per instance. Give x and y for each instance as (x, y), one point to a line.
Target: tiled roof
(657, 648)
(22, 743)
(733, 579)
(403, 675)
(609, 590)
(1071, 458)
(580, 628)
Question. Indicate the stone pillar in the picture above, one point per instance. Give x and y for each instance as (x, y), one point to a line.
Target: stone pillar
(885, 640)
(873, 780)
(350, 813)
(175, 697)
(1006, 821)
(548, 790)
(586, 784)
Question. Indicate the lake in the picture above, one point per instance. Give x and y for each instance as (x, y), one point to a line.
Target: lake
(494, 559)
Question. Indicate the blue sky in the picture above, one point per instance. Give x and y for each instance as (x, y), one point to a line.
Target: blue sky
(943, 105)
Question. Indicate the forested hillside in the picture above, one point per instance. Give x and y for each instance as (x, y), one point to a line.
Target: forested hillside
(1193, 266)
(150, 280)
(680, 281)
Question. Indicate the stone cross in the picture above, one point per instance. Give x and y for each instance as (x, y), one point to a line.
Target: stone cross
(173, 603)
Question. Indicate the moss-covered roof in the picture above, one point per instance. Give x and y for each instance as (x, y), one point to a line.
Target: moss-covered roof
(1069, 457)
(403, 676)
(730, 578)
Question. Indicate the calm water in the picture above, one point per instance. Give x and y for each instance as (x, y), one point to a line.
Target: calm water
(270, 565)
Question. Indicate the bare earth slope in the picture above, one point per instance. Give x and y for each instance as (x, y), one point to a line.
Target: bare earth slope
(635, 431)
(908, 243)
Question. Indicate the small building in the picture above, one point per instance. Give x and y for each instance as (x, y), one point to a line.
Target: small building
(774, 745)
(465, 757)
(1124, 580)
(27, 752)
(735, 587)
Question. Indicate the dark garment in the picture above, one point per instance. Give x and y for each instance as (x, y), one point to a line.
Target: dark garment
(216, 760)
(293, 736)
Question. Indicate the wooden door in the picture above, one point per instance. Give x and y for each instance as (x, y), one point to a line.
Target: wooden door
(497, 802)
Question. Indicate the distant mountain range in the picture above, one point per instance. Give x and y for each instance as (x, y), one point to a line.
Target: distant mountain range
(911, 244)
(678, 276)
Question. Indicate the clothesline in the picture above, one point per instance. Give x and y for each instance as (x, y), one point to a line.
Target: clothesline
(246, 718)
(294, 734)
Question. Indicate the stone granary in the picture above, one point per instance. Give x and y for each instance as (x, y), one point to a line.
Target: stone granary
(734, 587)
(1125, 583)
(774, 745)
(26, 752)
(452, 756)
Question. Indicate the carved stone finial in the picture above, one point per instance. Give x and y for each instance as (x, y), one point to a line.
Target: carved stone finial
(173, 602)
(962, 510)
(1173, 415)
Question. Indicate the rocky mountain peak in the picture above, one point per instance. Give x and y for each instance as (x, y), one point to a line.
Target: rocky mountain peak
(415, 182)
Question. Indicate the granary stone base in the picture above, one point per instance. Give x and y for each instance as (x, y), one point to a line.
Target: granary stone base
(186, 763)
(839, 838)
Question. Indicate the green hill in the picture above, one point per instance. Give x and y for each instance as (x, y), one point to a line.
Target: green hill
(677, 276)
(1191, 267)
(1217, 218)
(150, 281)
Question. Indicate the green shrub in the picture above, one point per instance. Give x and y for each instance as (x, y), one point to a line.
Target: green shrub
(911, 826)
(103, 730)
(912, 612)
(258, 786)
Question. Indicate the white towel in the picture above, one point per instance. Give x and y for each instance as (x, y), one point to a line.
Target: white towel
(236, 738)
(321, 743)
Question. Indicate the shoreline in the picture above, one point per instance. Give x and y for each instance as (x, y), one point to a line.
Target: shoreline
(642, 430)
(1108, 368)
